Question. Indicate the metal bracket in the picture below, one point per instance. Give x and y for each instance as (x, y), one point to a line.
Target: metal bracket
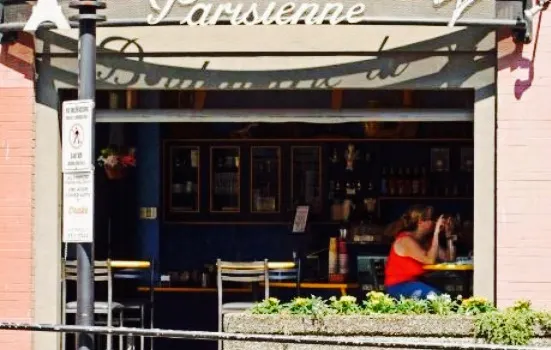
(526, 33)
(47, 11)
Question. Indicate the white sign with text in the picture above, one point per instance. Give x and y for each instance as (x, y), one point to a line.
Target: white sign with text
(301, 219)
(78, 207)
(204, 14)
(77, 118)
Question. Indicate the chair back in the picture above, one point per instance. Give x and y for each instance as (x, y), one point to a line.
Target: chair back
(242, 272)
(101, 273)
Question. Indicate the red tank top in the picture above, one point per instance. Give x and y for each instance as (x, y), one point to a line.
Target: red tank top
(401, 269)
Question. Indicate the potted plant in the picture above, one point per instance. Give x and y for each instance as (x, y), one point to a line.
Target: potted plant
(116, 161)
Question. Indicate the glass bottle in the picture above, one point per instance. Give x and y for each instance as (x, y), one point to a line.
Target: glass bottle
(384, 182)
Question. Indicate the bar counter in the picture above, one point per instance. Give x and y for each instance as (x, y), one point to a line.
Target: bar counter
(342, 287)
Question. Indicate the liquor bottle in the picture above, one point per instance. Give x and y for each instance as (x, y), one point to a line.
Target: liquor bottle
(350, 189)
(331, 193)
(455, 190)
(391, 182)
(384, 182)
(423, 182)
(407, 182)
(358, 187)
(400, 182)
(415, 182)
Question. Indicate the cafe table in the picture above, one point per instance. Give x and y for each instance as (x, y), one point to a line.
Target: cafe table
(129, 264)
(463, 269)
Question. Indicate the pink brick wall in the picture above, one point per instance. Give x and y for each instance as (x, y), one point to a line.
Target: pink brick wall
(16, 187)
(524, 168)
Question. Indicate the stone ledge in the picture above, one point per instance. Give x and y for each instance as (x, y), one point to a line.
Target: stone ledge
(426, 328)
(387, 325)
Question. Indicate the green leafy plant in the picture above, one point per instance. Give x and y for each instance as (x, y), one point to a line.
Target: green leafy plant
(345, 305)
(511, 327)
(475, 306)
(441, 304)
(314, 306)
(379, 303)
(408, 306)
(267, 307)
(516, 325)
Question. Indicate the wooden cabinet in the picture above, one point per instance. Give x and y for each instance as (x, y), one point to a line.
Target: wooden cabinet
(263, 181)
(224, 182)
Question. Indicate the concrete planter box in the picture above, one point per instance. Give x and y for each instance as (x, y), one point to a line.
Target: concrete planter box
(426, 328)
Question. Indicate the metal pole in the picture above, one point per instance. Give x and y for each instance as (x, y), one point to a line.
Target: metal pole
(86, 91)
(427, 21)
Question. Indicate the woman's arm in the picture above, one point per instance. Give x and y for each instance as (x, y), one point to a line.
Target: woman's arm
(446, 254)
(408, 246)
(443, 254)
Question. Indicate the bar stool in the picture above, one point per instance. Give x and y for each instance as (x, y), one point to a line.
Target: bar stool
(278, 274)
(101, 273)
(133, 309)
(242, 272)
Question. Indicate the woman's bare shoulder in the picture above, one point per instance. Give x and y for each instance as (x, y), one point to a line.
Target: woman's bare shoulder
(402, 243)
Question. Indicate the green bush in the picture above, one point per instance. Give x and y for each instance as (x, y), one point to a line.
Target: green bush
(516, 325)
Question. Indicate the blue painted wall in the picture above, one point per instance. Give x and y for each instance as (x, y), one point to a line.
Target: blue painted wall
(192, 246)
(148, 173)
(183, 247)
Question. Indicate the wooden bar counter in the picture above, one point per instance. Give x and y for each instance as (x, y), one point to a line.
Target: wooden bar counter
(342, 287)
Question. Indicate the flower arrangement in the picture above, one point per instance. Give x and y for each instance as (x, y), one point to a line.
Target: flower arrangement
(115, 161)
(515, 325)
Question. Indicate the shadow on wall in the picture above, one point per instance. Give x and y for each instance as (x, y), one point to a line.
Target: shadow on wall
(388, 69)
(19, 55)
(515, 59)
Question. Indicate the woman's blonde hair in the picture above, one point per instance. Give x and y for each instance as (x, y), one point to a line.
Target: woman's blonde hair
(409, 220)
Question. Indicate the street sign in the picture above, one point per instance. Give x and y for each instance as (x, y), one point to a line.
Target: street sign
(77, 135)
(78, 207)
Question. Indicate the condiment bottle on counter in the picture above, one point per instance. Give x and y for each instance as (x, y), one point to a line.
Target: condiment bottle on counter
(333, 256)
(343, 258)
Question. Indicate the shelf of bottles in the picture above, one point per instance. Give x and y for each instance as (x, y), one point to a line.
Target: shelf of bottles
(306, 177)
(225, 190)
(352, 188)
(184, 179)
(265, 179)
(437, 180)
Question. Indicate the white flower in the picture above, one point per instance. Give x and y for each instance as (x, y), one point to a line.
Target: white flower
(432, 296)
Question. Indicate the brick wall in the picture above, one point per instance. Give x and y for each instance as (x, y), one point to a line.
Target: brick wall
(524, 168)
(16, 187)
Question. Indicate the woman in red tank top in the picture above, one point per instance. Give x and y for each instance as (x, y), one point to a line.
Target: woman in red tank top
(407, 255)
